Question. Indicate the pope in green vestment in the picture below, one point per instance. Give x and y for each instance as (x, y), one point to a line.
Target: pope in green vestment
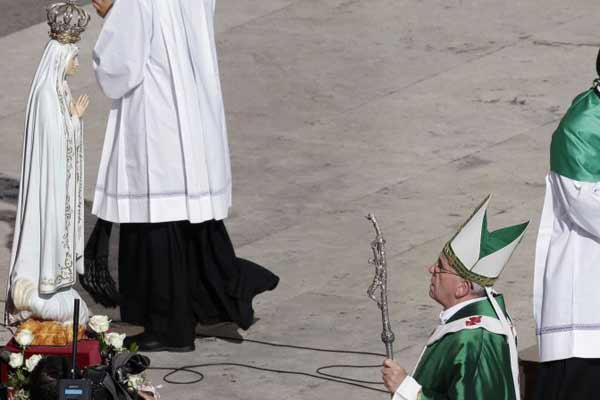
(472, 354)
(469, 363)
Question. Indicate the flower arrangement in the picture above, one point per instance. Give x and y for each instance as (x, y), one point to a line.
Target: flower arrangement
(110, 342)
(20, 367)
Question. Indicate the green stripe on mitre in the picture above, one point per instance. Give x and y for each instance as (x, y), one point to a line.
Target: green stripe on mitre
(575, 147)
(491, 242)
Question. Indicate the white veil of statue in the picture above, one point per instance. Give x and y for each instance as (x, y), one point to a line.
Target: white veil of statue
(48, 242)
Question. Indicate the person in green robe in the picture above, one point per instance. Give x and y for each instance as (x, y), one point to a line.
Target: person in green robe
(472, 354)
(565, 292)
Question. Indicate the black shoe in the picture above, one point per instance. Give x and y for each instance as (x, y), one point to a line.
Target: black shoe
(148, 343)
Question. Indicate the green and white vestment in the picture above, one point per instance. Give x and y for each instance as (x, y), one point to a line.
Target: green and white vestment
(567, 265)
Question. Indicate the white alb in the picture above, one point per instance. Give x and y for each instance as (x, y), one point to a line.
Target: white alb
(567, 270)
(165, 155)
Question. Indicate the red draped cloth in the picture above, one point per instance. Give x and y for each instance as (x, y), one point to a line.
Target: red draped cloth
(88, 353)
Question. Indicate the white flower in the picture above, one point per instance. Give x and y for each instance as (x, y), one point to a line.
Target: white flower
(32, 361)
(15, 360)
(150, 389)
(115, 340)
(21, 394)
(136, 381)
(24, 337)
(99, 323)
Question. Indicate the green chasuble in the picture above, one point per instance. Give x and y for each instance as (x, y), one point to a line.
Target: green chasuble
(575, 147)
(470, 364)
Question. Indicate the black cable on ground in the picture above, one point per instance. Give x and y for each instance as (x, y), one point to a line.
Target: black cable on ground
(291, 346)
(189, 368)
(319, 372)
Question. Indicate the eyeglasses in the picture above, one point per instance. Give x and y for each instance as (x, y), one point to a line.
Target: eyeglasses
(439, 269)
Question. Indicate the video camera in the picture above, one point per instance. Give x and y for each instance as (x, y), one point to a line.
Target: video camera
(59, 378)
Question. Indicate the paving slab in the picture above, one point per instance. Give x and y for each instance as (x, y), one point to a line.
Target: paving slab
(412, 109)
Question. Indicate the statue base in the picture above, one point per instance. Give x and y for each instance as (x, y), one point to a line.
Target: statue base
(51, 333)
(88, 353)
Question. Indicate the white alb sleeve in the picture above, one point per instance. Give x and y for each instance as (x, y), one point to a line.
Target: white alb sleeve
(581, 202)
(123, 47)
(409, 389)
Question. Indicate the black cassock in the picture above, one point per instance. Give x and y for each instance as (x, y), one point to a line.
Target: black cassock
(570, 379)
(173, 275)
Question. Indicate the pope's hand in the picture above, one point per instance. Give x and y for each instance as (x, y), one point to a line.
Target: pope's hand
(393, 375)
(78, 108)
(102, 6)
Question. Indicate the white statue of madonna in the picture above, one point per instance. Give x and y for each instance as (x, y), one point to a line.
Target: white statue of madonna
(47, 252)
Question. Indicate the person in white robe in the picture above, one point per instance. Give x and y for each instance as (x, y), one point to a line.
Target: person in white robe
(47, 250)
(165, 156)
(165, 172)
(567, 265)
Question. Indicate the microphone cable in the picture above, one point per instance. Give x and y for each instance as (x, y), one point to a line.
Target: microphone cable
(319, 373)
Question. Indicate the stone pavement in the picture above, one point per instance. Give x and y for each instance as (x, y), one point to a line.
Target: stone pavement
(411, 109)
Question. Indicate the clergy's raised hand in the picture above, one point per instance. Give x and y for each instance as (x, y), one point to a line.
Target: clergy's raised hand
(393, 375)
(102, 6)
(78, 107)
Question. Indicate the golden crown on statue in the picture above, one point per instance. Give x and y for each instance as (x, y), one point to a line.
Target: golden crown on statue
(67, 21)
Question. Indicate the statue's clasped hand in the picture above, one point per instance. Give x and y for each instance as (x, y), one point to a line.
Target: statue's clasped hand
(78, 107)
(393, 375)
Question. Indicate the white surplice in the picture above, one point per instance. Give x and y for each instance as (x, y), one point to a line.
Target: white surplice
(165, 155)
(47, 251)
(567, 270)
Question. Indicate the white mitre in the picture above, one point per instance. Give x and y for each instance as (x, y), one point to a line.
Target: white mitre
(478, 255)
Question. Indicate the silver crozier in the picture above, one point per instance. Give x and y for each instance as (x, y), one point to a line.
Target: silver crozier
(378, 289)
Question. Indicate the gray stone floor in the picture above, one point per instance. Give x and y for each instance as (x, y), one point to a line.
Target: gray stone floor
(411, 109)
